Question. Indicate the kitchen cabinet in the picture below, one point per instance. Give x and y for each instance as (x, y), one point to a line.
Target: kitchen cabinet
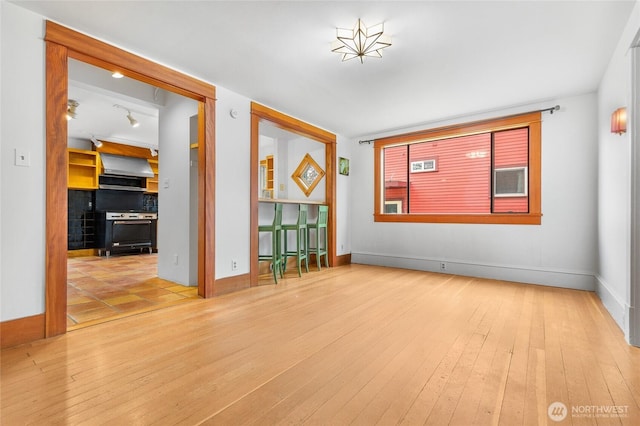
(84, 169)
(266, 177)
(152, 183)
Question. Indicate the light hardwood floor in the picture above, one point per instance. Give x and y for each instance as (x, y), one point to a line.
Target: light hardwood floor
(349, 345)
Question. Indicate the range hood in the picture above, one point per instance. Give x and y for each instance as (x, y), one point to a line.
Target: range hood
(126, 166)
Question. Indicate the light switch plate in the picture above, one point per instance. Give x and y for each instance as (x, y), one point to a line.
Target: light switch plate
(23, 157)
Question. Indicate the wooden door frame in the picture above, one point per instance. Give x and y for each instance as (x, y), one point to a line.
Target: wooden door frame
(260, 113)
(61, 44)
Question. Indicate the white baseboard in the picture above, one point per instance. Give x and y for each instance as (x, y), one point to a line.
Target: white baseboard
(554, 278)
(618, 310)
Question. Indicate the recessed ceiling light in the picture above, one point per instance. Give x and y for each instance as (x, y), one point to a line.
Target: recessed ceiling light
(117, 74)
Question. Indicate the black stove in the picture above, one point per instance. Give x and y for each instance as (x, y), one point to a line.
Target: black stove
(126, 230)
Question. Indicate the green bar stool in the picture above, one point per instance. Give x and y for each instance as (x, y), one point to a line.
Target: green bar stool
(276, 230)
(300, 228)
(320, 249)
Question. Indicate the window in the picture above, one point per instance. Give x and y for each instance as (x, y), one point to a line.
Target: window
(482, 172)
(393, 206)
(423, 166)
(510, 182)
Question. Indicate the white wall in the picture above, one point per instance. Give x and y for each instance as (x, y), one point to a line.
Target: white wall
(560, 252)
(343, 200)
(22, 189)
(174, 248)
(613, 280)
(233, 207)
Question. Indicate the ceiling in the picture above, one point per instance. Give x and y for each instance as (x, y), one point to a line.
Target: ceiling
(448, 58)
(97, 94)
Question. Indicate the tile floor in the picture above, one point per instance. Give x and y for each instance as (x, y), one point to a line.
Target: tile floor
(101, 289)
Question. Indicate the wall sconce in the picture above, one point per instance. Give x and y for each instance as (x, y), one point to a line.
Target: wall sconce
(619, 121)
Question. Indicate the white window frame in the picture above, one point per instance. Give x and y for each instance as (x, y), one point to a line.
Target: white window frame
(512, 194)
(430, 165)
(397, 203)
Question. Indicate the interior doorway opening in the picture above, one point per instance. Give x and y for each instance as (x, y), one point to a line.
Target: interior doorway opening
(63, 44)
(115, 171)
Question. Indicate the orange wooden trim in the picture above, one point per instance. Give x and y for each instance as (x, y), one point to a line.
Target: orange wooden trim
(22, 330)
(82, 253)
(535, 168)
(377, 179)
(201, 205)
(253, 221)
(534, 217)
(57, 160)
(126, 150)
(463, 129)
(496, 218)
(209, 198)
(231, 284)
(292, 124)
(331, 191)
(343, 260)
(95, 52)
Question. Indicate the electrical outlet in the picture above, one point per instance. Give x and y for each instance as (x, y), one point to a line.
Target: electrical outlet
(234, 265)
(443, 266)
(175, 259)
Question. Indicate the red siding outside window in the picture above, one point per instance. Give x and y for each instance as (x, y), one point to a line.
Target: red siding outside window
(396, 191)
(511, 150)
(460, 183)
(455, 175)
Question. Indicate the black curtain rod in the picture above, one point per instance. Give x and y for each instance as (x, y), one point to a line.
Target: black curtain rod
(551, 110)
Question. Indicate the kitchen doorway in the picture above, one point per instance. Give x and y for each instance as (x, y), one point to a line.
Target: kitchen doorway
(118, 130)
(63, 44)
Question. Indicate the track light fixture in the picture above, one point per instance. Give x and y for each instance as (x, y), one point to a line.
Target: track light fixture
(71, 109)
(132, 121)
(96, 142)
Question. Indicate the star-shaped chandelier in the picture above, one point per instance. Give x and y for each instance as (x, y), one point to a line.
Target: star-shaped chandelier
(360, 42)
